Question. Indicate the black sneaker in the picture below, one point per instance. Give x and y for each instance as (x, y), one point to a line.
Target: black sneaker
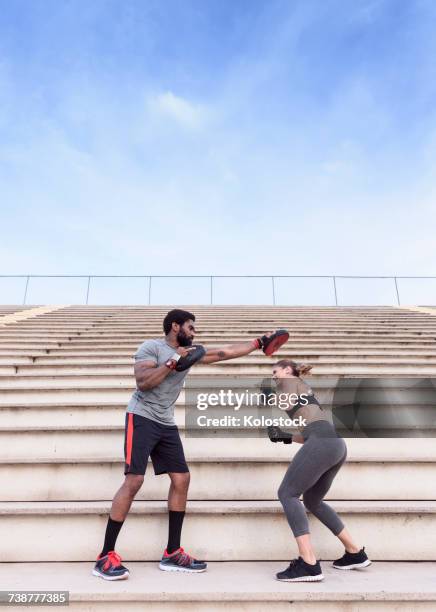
(180, 561)
(300, 571)
(351, 561)
(109, 567)
(275, 434)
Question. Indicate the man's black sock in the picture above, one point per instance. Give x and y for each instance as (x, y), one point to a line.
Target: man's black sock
(174, 530)
(112, 531)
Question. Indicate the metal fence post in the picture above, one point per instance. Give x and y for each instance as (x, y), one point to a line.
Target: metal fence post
(149, 290)
(396, 289)
(273, 291)
(25, 291)
(87, 290)
(336, 293)
(211, 290)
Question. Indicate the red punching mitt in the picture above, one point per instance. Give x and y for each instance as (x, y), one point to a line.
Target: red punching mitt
(271, 344)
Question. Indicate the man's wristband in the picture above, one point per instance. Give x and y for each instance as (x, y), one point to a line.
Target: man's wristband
(172, 361)
(257, 343)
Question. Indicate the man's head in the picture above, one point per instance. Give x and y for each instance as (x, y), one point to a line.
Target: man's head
(180, 325)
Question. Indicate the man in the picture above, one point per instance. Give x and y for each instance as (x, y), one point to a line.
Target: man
(151, 432)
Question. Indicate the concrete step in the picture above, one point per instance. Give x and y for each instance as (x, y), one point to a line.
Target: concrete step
(239, 331)
(229, 322)
(45, 414)
(330, 330)
(8, 363)
(25, 344)
(297, 353)
(105, 390)
(125, 356)
(66, 394)
(123, 367)
(306, 351)
(236, 530)
(90, 432)
(231, 476)
(291, 347)
(122, 377)
(238, 326)
(42, 409)
(240, 313)
(233, 586)
(228, 328)
(405, 434)
(38, 415)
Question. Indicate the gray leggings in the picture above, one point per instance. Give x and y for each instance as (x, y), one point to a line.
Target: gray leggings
(311, 473)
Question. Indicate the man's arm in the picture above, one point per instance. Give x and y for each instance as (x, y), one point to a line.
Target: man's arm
(228, 352)
(244, 348)
(148, 374)
(231, 351)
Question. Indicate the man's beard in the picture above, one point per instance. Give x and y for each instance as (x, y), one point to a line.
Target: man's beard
(183, 339)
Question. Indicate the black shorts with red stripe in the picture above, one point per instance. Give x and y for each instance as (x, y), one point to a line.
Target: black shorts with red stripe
(144, 438)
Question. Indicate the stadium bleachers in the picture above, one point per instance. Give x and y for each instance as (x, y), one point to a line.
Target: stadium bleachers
(66, 374)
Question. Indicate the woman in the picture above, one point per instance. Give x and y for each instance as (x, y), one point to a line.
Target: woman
(311, 474)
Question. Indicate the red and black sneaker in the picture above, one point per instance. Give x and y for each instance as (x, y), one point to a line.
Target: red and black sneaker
(180, 561)
(109, 567)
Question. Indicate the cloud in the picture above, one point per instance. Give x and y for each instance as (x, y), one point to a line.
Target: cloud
(180, 110)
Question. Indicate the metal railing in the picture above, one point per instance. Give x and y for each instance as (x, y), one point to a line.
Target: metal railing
(211, 278)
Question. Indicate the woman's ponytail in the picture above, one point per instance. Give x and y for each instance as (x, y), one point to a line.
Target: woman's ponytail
(303, 369)
(298, 369)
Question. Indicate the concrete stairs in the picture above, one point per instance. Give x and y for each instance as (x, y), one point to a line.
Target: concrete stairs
(65, 377)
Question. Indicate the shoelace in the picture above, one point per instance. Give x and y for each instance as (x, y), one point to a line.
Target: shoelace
(183, 558)
(293, 563)
(114, 559)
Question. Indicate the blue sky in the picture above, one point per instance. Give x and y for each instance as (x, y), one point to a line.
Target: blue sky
(217, 137)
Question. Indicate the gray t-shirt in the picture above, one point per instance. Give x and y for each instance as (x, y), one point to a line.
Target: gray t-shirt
(157, 403)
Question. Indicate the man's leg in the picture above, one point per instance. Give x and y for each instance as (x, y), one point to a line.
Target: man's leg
(120, 507)
(140, 436)
(168, 458)
(108, 564)
(177, 496)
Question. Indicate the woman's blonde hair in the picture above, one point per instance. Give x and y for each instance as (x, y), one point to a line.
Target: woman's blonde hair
(298, 369)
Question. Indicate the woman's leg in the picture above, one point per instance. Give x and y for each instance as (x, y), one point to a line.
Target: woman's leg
(312, 472)
(313, 500)
(348, 542)
(305, 549)
(314, 496)
(305, 470)
(290, 490)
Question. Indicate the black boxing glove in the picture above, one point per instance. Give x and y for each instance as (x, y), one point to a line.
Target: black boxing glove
(196, 352)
